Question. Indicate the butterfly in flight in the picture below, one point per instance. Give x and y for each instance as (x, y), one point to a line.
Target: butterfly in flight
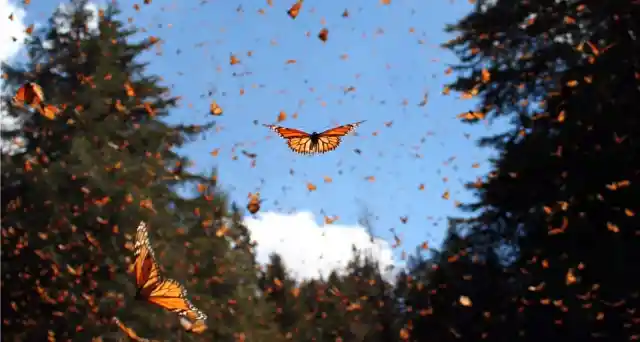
(153, 287)
(314, 143)
(130, 332)
(197, 327)
(30, 94)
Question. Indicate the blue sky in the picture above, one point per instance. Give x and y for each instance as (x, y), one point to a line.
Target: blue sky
(387, 64)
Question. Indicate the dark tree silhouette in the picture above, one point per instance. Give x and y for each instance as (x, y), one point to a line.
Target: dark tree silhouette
(563, 194)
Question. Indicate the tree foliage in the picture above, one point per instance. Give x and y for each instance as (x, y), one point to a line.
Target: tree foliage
(563, 194)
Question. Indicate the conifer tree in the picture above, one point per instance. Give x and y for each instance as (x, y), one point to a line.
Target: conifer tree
(563, 194)
(74, 195)
(281, 289)
(252, 315)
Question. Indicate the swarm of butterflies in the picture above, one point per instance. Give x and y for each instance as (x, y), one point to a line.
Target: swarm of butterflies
(151, 285)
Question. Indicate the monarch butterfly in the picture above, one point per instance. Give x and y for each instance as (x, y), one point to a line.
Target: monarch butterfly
(130, 332)
(153, 287)
(295, 9)
(49, 111)
(305, 143)
(323, 35)
(254, 203)
(471, 116)
(215, 109)
(30, 94)
(197, 327)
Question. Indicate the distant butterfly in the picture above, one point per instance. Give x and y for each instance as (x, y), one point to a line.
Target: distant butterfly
(30, 94)
(254, 203)
(295, 9)
(305, 143)
(48, 111)
(323, 35)
(130, 332)
(215, 109)
(153, 287)
(197, 327)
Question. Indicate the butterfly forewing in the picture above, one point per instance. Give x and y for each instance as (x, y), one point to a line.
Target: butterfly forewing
(288, 133)
(341, 130)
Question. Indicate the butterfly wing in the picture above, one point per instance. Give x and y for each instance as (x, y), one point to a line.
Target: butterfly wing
(197, 327)
(167, 293)
(297, 140)
(341, 131)
(38, 94)
(146, 269)
(295, 9)
(48, 111)
(287, 133)
(30, 94)
(326, 144)
(20, 96)
(301, 145)
(330, 139)
(130, 332)
(172, 296)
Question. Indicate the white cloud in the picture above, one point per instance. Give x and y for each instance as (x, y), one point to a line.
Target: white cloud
(309, 249)
(66, 8)
(12, 35)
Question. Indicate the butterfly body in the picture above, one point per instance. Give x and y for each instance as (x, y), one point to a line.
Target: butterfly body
(314, 143)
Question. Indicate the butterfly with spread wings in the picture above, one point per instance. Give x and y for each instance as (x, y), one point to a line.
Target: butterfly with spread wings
(314, 143)
(31, 94)
(153, 287)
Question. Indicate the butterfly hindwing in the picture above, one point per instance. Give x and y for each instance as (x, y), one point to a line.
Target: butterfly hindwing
(300, 145)
(327, 143)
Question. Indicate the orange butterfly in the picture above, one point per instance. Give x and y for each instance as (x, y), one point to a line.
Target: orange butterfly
(305, 143)
(254, 203)
(48, 111)
(295, 9)
(197, 327)
(130, 332)
(323, 35)
(153, 287)
(30, 94)
(215, 109)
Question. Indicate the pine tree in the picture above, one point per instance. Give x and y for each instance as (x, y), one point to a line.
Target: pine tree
(371, 308)
(562, 196)
(73, 197)
(462, 291)
(281, 289)
(255, 315)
